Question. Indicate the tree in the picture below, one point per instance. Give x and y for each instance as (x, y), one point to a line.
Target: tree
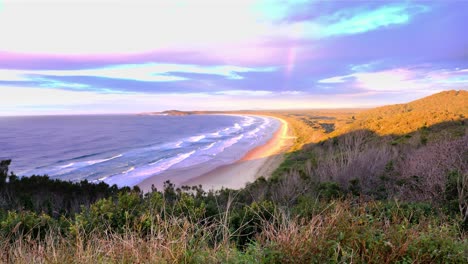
(4, 171)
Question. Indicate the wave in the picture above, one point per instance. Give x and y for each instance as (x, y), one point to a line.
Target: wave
(72, 166)
(209, 146)
(134, 175)
(157, 157)
(196, 138)
(101, 179)
(84, 156)
(231, 130)
(215, 134)
(253, 132)
(248, 121)
(92, 162)
(129, 170)
(232, 141)
(68, 165)
(177, 159)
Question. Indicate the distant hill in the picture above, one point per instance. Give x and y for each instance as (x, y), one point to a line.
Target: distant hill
(183, 113)
(405, 118)
(176, 113)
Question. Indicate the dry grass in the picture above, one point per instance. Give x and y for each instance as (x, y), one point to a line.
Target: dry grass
(341, 232)
(364, 234)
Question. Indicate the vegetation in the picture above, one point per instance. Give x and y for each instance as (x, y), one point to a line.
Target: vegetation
(363, 193)
(406, 118)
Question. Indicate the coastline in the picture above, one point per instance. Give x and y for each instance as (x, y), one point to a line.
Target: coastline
(259, 161)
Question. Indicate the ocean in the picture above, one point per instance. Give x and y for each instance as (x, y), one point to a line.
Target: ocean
(126, 149)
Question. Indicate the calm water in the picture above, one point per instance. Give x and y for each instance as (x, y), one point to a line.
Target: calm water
(126, 149)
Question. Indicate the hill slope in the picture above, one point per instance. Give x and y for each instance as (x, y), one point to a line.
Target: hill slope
(405, 118)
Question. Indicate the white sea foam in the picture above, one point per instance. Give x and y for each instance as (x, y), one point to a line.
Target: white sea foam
(253, 132)
(129, 170)
(92, 162)
(215, 134)
(233, 129)
(209, 146)
(248, 121)
(59, 170)
(196, 138)
(101, 179)
(232, 141)
(135, 175)
(68, 165)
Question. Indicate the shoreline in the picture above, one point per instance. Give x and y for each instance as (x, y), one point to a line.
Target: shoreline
(259, 161)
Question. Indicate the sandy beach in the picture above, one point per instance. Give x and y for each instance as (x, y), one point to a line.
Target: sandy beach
(260, 161)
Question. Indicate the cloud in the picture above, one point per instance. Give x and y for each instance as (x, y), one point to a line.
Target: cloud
(124, 26)
(402, 79)
(245, 92)
(30, 100)
(348, 22)
(259, 53)
(278, 10)
(351, 21)
(147, 72)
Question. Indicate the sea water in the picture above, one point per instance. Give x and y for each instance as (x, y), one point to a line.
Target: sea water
(126, 149)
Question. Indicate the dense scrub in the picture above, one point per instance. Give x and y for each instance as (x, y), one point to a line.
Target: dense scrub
(52, 196)
(195, 227)
(291, 220)
(361, 163)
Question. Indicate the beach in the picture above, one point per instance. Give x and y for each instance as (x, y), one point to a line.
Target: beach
(258, 162)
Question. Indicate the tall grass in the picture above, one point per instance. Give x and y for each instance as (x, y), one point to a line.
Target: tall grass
(345, 231)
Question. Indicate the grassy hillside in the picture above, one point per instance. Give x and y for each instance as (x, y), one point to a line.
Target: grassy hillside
(405, 118)
(430, 119)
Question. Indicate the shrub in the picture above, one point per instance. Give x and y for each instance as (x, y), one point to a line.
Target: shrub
(17, 225)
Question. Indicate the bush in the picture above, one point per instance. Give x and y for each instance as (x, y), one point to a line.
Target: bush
(18, 225)
(329, 190)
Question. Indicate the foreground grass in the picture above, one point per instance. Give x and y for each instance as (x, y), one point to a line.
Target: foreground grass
(136, 229)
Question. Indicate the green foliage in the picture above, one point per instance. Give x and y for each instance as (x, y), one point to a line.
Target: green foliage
(451, 192)
(329, 190)
(187, 206)
(294, 161)
(43, 194)
(320, 229)
(17, 225)
(308, 206)
(354, 187)
(436, 246)
(248, 221)
(117, 215)
(364, 233)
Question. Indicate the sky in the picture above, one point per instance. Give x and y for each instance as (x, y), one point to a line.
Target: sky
(111, 56)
